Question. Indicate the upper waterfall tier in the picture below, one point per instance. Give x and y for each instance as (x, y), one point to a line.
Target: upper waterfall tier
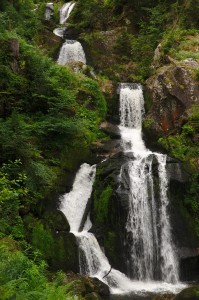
(65, 11)
(131, 111)
(131, 106)
(71, 51)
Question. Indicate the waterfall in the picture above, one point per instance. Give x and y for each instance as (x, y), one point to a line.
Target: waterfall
(71, 51)
(153, 264)
(152, 254)
(65, 11)
(93, 261)
(71, 205)
(131, 111)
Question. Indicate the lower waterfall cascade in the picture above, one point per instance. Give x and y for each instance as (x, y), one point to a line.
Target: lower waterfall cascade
(153, 264)
(152, 254)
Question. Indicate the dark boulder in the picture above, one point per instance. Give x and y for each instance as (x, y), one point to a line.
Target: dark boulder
(111, 129)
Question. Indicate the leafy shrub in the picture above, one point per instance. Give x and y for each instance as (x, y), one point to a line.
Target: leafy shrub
(22, 278)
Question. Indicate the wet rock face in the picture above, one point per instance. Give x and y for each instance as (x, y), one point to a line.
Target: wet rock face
(189, 266)
(173, 91)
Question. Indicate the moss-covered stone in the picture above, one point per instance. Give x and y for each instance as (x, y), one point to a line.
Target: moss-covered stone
(85, 287)
(191, 293)
(101, 204)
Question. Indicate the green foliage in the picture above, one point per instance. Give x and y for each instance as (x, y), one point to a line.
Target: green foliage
(42, 240)
(20, 16)
(21, 278)
(148, 123)
(191, 200)
(49, 117)
(13, 193)
(181, 145)
(44, 113)
(92, 14)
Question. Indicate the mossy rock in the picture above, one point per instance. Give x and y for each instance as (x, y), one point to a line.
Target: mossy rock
(191, 293)
(56, 244)
(85, 287)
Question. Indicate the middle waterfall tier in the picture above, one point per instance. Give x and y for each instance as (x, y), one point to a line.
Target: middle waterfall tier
(71, 51)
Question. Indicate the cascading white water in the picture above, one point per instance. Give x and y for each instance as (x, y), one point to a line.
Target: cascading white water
(71, 51)
(93, 261)
(140, 226)
(65, 11)
(131, 111)
(169, 265)
(74, 203)
(152, 254)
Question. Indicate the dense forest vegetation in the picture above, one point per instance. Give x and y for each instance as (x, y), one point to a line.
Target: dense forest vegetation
(50, 116)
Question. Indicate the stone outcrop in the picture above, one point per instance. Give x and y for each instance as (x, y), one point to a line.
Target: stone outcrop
(172, 92)
(49, 11)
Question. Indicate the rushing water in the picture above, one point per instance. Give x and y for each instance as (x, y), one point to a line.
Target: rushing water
(93, 261)
(153, 265)
(65, 11)
(152, 254)
(71, 51)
